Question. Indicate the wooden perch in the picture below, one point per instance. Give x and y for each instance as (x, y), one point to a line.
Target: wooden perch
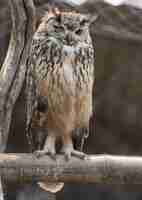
(95, 169)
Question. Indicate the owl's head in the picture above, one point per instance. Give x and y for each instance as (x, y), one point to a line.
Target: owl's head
(70, 26)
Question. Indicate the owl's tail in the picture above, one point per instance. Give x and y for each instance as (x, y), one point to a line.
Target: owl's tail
(52, 187)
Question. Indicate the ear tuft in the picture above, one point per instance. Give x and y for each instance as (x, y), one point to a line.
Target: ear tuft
(91, 18)
(57, 13)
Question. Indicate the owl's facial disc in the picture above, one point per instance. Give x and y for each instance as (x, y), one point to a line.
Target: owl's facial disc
(69, 27)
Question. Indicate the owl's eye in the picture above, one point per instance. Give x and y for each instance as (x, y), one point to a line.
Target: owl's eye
(59, 28)
(78, 31)
(83, 22)
(56, 26)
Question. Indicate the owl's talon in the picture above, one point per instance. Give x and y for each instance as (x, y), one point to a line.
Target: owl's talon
(78, 154)
(41, 153)
(67, 156)
(53, 156)
(69, 151)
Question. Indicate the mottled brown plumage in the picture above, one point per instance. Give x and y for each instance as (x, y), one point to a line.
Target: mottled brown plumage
(61, 66)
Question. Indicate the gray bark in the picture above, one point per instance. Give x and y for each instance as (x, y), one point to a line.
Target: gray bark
(104, 169)
(13, 70)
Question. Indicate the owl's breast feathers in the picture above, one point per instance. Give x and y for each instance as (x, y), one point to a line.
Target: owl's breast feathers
(64, 74)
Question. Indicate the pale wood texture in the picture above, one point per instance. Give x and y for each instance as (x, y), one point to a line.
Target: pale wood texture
(94, 169)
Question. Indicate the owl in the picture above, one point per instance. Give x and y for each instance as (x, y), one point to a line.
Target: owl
(60, 80)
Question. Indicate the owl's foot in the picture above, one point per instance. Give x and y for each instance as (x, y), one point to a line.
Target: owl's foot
(41, 153)
(49, 148)
(69, 151)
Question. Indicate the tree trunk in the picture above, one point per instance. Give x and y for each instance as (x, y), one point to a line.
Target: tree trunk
(13, 70)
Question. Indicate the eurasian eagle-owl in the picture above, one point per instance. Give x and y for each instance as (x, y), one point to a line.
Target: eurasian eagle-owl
(61, 74)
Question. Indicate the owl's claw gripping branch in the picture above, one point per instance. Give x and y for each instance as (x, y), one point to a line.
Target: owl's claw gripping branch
(78, 154)
(49, 148)
(41, 153)
(75, 153)
(69, 151)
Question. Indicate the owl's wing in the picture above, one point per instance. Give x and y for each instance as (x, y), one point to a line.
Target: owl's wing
(31, 96)
(40, 62)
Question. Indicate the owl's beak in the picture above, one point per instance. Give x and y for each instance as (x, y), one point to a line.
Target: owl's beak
(68, 37)
(54, 11)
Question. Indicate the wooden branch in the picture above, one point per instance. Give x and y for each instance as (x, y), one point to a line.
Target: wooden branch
(95, 169)
(13, 71)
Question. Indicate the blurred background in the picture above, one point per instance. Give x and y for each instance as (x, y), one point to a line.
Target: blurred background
(117, 123)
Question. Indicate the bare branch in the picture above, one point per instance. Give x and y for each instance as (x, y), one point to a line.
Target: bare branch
(95, 169)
